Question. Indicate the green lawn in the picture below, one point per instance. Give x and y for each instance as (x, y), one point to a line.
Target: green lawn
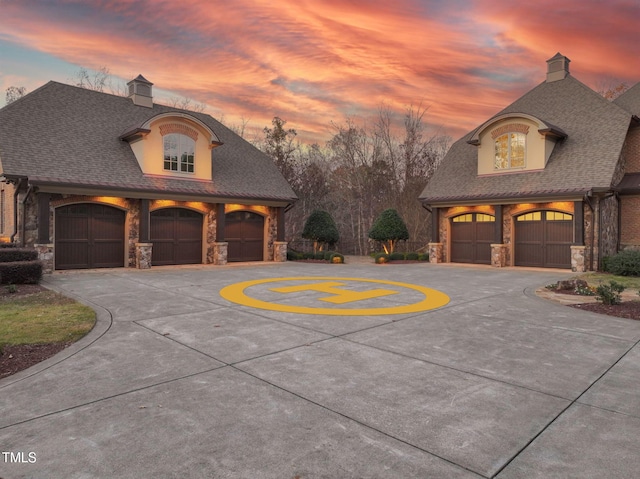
(595, 279)
(41, 318)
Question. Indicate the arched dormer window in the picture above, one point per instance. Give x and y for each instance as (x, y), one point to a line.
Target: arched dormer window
(179, 153)
(510, 151)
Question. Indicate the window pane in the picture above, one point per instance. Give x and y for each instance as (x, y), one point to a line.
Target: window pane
(502, 152)
(517, 150)
(483, 218)
(179, 149)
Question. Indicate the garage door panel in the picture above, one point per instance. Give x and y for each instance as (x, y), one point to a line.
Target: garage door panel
(176, 234)
(544, 241)
(89, 236)
(471, 238)
(244, 233)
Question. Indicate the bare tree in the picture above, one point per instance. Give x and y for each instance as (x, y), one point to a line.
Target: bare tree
(185, 103)
(611, 88)
(14, 92)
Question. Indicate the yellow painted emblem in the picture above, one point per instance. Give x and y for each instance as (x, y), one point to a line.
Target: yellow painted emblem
(338, 291)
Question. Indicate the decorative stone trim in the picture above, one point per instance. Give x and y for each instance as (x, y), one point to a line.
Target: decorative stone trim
(280, 251)
(499, 255)
(45, 254)
(436, 253)
(143, 255)
(511, 127)
(179, 128)
(578, 259)
(220, 253)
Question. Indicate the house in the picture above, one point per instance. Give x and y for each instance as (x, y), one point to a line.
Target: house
(96, 180)
(553, 180)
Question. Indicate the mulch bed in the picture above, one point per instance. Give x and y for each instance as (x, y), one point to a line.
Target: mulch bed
(628, 309)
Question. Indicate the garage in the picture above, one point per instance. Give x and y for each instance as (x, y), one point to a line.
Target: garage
(89, 235)
(244, 233)
(471, 238)
(543, 239)
(176, 235)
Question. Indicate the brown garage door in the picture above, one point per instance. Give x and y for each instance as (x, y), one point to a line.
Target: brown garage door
(89, 236)
(176, 234)
(244, 231)
(471, 238)
(543, 239)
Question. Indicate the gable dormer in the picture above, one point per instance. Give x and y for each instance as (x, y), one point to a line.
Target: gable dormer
(174, 144)
(514, 142)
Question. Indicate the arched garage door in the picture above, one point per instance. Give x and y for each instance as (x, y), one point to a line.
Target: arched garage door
(471, 238)
(176, 234)
(543, 239)
(89, 235)
(244, 232)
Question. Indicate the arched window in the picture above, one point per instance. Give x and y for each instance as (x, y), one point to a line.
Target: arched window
(179, 153)
(510, 151)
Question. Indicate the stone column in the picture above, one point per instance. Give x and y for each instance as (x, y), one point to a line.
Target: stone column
(499, 255)
(45, 254)
(577, 259)
(143, 255)
(220, 253)
(280, 251)
(436, 251)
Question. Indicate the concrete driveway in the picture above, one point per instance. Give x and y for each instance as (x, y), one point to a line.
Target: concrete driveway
(177, 382)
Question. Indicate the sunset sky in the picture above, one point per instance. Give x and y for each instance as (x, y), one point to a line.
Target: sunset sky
(313, 62)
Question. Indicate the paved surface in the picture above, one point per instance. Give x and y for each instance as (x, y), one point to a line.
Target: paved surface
(176, 382)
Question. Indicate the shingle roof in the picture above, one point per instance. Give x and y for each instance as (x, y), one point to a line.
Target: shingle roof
(584, 160)
(69, 135)
(630, 100)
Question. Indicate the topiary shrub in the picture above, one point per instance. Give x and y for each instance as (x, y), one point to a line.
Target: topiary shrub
(625, 263)
(320, 228)
(336, 258)
(9, 255)
(389, 228)
(423, 257)
(21, 272)
(412, 256)
(609, 294)
(396, 256)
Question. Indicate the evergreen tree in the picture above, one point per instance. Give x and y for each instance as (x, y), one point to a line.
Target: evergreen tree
(389, 228)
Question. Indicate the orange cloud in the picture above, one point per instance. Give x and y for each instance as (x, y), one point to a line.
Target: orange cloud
(314, 62)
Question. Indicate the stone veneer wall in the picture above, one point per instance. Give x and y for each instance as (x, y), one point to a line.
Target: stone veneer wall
(608, 228)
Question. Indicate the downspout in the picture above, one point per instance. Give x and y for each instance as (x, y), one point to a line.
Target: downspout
(15, 210)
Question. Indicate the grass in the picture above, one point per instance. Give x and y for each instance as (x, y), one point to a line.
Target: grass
(595, 279)
(42, 318)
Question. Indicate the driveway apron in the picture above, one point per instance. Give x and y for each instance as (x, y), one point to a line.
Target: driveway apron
(183, 377)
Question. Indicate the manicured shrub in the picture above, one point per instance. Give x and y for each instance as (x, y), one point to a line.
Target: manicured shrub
(625, 263)
(292, 255)
(320, 228)
(21, 272)
(389, 228)
(9, 255)
(8, 245)
(412, 256)
(424, 257)
(308, 255)
(319, 255)
(609, 293)
(396, 256)
(337, 258)
(380, 258)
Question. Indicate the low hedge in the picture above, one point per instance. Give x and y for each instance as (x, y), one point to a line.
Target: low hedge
(396, 256)
(21, 272)
(380, 258)
(336, 258)
(424, 257)
(11, 255)
(412, 256)
(625, 263)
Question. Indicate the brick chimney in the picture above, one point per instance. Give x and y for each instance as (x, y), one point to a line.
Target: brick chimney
(140, 91)
(557, 68)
